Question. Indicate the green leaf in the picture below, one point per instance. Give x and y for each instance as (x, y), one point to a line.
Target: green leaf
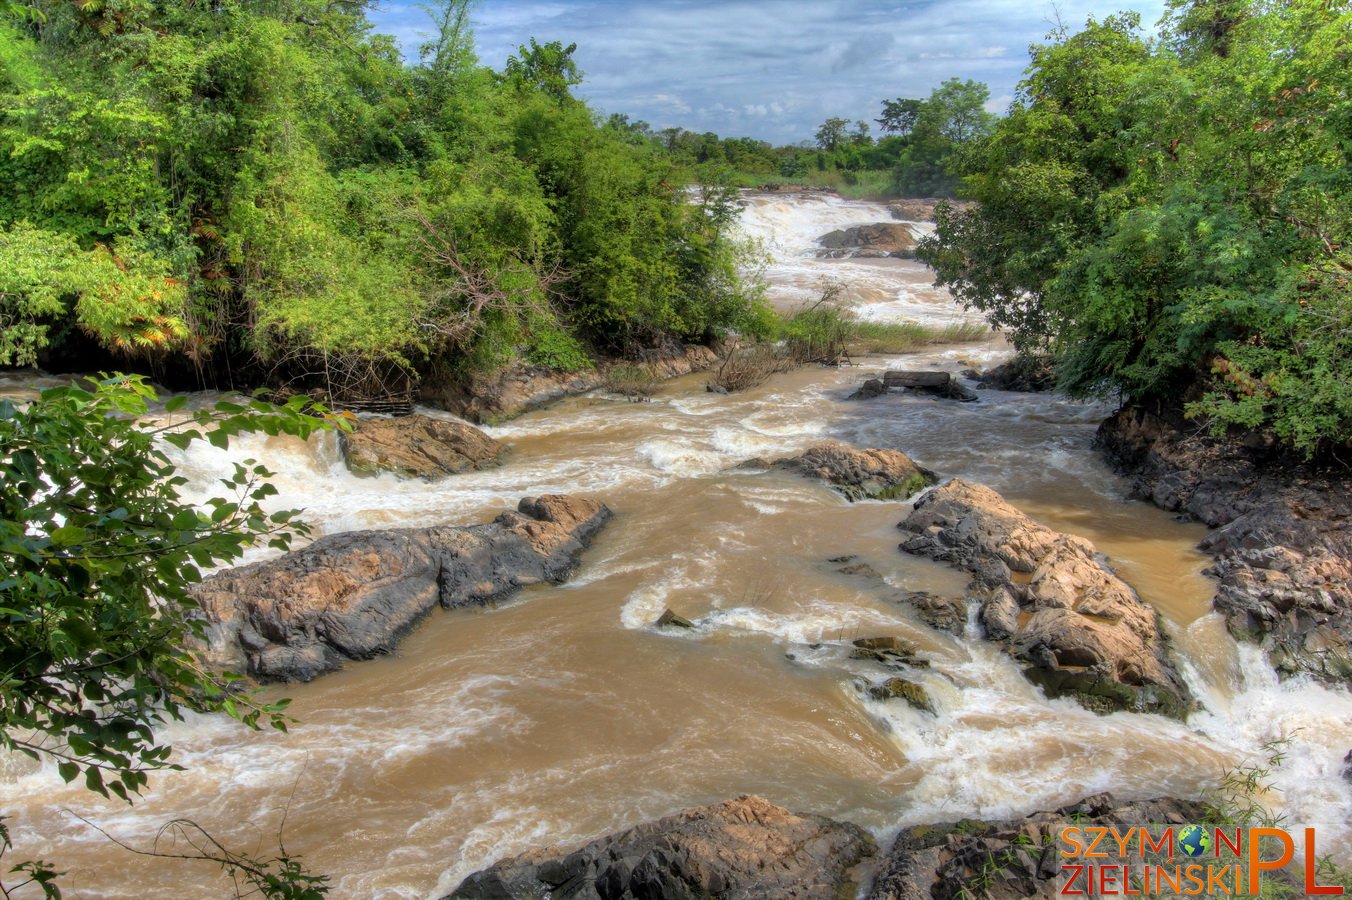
(67, 771)
(94, 781)
(68, 536)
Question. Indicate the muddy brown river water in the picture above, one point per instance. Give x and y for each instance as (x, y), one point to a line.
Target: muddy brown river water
(564, 714)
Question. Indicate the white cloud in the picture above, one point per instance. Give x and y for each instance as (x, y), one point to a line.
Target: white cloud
(772, 69)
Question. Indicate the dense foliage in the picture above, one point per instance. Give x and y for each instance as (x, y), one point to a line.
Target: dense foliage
(268, 182)
(97, 552)
(1170, 217)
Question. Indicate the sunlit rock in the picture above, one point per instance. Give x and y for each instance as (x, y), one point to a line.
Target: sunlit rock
(1052, 600)
(353, 595)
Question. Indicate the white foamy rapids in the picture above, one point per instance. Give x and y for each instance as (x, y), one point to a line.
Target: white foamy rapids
(1307, 786)
(788, 230)
(790, 226)
(264, 766)
(679, 457)
(644, 605)
(915, 302)
(999, 748)
(811, 621)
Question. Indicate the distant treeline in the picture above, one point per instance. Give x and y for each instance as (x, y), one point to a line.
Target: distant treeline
(911, 156)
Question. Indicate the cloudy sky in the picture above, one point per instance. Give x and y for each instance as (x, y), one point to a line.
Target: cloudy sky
(770, 69)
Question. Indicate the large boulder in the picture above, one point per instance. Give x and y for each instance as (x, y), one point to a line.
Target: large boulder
(418, 446)
(354, 595)
(1052, 600)
(877, 240)
(742, 849)
(860, 474)
(1282, 538)
(1028, 374)
(1015, 858)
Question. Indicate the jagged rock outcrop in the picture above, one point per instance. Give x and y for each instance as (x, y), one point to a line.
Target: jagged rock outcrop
(941, 613)
(742, 849)
(895, 688)
(871, 388)
(419, 447)
(354, 595)
(1052, 600)
(510, 392)
(858, 474)
(1023, 373)
(750, 849)
(876, 240)
(1011, 859)
(1282, 538)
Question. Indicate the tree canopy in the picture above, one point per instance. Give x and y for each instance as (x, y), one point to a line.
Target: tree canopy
(1169, 216)
(250, 186)
(97, 553)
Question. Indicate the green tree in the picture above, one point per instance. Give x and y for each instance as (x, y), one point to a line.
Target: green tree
(97, 553)
(1166, 217)
(952, 117)
(548, 68)
(900, 115)
(832, 133)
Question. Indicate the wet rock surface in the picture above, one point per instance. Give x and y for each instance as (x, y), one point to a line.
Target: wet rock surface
(947, 614)
(746, 848)
(902, 689)
(353, 595)
(1025, 374)
(859, 474)
(750, 849)
(871, 388)
(1052, 600)
(1282, 538)
(862, 241)
(1014, 858)
(418, 446)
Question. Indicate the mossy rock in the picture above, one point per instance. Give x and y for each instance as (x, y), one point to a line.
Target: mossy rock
(901, 689)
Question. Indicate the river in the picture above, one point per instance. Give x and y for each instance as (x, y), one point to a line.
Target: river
(563, 714)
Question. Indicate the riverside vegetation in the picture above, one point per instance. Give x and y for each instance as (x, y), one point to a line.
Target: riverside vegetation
(241, 192)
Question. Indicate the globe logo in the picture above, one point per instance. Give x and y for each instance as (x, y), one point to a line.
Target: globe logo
(1194, 840)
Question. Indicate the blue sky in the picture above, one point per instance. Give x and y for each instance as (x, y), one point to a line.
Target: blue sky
(774, 69)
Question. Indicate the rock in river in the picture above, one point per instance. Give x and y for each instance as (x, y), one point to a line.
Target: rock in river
(744, 848)
(861, 474)
(418, 446)
(750, 849)
(1015, 858)
(1052, 599)
(354, 595)
(876, 240)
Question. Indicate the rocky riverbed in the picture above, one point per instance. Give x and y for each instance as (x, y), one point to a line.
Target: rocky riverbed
(825, 670)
